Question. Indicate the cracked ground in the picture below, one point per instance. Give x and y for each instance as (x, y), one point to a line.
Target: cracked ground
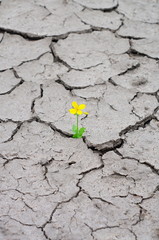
(104, 186)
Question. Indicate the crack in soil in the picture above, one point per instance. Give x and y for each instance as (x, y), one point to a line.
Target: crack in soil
(34, 100)
(19, 124)
(15, 86)
(153, 169)
(110, 9)
(137, 125)
(137, 53)
(25, 35)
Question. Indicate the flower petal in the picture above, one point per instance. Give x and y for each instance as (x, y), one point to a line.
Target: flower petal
(75, 105)
(82, 106)
(73, 111)
(79, 112)
(86, 113)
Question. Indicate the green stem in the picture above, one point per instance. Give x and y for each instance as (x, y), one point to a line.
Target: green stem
(77, 124)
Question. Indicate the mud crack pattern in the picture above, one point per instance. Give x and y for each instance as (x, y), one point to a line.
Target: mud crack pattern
(104, 54)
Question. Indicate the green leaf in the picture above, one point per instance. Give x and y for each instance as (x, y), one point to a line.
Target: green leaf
(74, 128)
(81, 131)
(75, 135)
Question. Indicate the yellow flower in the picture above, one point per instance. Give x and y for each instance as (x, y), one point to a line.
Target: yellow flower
(77, 109)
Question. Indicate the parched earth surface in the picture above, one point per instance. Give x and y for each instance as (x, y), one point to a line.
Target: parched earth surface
(102, 53)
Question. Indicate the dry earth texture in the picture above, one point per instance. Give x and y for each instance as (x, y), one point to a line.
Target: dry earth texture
(102, 53)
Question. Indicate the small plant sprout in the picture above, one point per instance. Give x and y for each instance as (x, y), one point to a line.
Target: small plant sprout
(77, 110)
